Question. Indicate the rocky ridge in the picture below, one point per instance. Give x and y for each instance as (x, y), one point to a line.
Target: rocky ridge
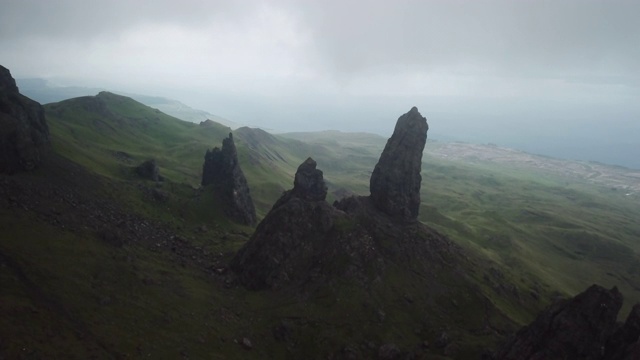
(24, 134)
(222, 170)
(583, 327)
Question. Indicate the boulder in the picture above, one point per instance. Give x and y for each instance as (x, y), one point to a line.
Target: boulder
(149, 170)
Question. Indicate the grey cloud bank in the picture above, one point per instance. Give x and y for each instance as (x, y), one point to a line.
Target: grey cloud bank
(560, 78)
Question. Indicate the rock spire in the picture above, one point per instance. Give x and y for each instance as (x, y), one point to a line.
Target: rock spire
(309, 182)
(222, 170)
(395, 182)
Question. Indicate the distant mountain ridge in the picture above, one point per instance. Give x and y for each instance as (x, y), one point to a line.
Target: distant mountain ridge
(44, 92)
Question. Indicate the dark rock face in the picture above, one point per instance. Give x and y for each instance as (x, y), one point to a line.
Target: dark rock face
(222, 170)
(290, 236)
(303, 239)
(24, 134)
(149, 170)
(7, 83)
(309, 182)
(624, 344)
(578, 328)
(395, 182)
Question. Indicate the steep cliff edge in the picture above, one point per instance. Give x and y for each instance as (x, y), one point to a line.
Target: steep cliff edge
(24, 134)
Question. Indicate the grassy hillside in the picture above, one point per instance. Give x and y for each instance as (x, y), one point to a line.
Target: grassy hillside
(112, 131)
(98, 263)
(147, 275)
(566, 224)
(566, 230)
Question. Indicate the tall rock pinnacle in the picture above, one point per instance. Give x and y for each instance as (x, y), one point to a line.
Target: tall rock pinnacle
(221, 169)
(395, 182)
(24, 134)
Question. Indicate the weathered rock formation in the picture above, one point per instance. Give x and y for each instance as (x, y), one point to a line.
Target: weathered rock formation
(149, 170)
(222, 170)
(624, 344)
(395, 182)
(288, 241)
(583, 327)
(309, 182)
(24, 134)
(7, 82)
(303, 239)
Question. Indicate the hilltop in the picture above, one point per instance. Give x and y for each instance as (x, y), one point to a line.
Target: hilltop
(45, 92)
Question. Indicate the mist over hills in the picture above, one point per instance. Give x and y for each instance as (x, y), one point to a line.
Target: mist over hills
(598, 133)
(45, 92)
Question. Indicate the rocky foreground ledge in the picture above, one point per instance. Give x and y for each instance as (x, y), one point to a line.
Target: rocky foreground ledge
(583, 327)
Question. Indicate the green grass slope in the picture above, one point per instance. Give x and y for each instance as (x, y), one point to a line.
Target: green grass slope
(566, 231)
(104, 132)
(98, 266)
(95, 265)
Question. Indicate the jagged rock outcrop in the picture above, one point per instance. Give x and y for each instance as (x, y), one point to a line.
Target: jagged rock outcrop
(24, 134)
(309, 182)
(624, 344)
(149, 170)
(303, 239)
(286, 242)
(222, 170)
(583, 327)
(395, 182)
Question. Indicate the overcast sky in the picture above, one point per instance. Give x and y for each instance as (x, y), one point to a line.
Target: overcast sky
(534, 74)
